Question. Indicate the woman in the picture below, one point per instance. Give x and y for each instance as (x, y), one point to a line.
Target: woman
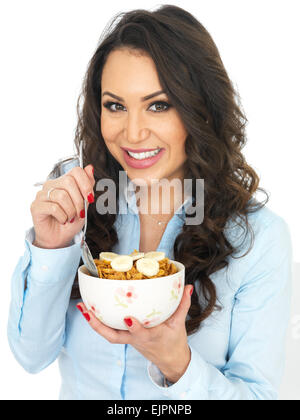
(156, 81)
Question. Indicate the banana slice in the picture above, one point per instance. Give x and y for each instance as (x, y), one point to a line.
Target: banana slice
(155, 255)
(108, 256)
(147, 266)
(122, 263)
(136, 255)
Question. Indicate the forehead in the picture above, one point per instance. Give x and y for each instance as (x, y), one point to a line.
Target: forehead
(130, 70)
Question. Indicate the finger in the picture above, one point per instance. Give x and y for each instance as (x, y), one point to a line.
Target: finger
(61, 197)
(44, 208)
(110, 334)
(84, 182)
(136, 328)
(68, 183)
(90, 173)
(79, 184)
(181, 312)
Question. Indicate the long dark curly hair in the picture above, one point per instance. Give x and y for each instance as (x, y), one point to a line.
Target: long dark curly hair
(192, 74)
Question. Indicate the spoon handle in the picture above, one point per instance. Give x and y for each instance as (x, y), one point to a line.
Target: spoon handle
(85, 204)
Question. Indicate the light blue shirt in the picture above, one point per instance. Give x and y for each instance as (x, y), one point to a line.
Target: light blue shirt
(237, 354)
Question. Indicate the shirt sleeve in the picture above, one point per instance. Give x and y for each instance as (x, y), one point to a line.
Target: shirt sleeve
(256, 348)
(36, 322)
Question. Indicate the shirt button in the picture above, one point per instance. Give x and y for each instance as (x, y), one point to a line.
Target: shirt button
(119, 362)
(182, 395)
(44, 267)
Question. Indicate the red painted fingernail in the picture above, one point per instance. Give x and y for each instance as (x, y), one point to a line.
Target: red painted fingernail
(87, 317)
(72, 220)
(128, 321)
(79, 307)
(82, 214)
(191, 291)
(93, 170)
(90, 198)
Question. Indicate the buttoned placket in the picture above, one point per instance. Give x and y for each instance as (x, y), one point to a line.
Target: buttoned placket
(174, 224)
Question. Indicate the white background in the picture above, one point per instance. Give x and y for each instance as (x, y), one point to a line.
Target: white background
(45, 49)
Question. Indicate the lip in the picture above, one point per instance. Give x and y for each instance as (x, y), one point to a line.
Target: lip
(138, 150)
(143, 163)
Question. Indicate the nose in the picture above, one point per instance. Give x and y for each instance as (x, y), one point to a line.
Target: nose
(136, 130)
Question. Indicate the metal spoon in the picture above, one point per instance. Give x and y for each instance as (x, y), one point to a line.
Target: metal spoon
(85, 252)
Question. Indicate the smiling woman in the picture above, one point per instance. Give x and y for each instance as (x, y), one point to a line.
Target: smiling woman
(199, 135)
(159, 105)
(137, 125)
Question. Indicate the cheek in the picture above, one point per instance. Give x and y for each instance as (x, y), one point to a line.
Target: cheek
(104, 128)
(177, 135)
(179, 151)
(176, 125)
(109, 134)
(109, 129)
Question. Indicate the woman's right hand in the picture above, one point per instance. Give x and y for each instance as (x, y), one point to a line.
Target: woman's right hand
(56, 222)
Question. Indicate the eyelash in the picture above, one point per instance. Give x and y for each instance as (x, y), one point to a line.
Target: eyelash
(109, 104)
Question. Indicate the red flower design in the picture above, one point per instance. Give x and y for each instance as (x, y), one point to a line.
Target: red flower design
(177, 284)
(128, 294)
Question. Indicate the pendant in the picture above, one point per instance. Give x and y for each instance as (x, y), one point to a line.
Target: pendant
(159, 223)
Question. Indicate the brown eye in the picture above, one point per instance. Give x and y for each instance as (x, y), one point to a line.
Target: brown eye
(109, 105)
(161, 106)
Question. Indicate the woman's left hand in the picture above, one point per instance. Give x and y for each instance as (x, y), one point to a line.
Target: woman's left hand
(165, 345)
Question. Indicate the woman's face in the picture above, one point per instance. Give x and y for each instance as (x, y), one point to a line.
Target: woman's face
(134, 123)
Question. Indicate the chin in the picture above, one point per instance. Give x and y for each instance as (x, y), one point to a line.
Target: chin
(144, 180)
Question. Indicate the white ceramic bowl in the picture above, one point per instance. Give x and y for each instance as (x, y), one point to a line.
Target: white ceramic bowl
(151, 301)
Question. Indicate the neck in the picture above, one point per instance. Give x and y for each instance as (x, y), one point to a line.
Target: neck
(158, 200)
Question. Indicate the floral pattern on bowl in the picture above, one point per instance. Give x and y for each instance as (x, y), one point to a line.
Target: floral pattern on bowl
(151, 301)
(152, 318)
(177, 287)
(124, 296)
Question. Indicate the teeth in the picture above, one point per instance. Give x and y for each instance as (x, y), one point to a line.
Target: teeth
(143, 155)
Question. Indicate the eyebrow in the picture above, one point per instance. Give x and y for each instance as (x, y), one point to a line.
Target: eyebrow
(145, 98)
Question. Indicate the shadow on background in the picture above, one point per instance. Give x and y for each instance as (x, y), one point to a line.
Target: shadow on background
(290, 389)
